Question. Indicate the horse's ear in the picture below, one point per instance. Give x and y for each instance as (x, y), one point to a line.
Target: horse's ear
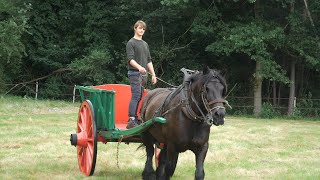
(206, 70)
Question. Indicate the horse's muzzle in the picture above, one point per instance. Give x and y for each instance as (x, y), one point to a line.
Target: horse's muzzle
(218, 117)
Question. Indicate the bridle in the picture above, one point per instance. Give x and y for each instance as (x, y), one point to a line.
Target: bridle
(215, 101)
(208, 117)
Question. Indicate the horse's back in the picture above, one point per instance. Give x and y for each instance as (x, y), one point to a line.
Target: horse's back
(152, 101)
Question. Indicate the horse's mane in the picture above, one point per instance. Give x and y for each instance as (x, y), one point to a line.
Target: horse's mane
(203, 78)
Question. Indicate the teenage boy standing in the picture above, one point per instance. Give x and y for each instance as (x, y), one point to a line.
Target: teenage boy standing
(139, 60)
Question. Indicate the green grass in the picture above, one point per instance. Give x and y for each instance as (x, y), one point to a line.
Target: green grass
(34, 144)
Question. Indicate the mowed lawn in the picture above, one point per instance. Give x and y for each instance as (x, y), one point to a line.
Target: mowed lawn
(34, 144)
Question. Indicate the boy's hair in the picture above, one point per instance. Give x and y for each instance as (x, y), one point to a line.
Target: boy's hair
(140, 22)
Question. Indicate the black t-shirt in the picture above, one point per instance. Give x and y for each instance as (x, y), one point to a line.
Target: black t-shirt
(138, 50)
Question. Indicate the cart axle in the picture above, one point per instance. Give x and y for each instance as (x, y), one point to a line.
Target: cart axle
(80, 139)
(73, 139)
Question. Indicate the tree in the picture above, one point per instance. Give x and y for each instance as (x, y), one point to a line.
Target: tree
(13, 24)
(302, 42)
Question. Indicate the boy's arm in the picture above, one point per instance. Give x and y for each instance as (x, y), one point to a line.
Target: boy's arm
(134, 64)
(153, 74)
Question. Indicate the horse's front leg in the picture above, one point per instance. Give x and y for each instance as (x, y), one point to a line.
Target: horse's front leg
(200, 157)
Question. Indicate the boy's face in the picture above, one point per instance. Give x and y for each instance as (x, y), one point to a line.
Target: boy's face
(139, 30)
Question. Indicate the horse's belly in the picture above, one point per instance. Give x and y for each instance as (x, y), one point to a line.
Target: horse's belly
(158, 136)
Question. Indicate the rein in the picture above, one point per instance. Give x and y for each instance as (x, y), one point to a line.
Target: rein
(163, 81)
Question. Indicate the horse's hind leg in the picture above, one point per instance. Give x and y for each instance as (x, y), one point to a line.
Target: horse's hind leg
(148, 172)
(167, 163)
(172, 159)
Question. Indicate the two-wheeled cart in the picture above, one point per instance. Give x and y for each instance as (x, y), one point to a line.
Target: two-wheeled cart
(103, 117)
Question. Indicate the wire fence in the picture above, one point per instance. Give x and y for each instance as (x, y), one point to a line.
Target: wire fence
(242, 105)
(36, 91)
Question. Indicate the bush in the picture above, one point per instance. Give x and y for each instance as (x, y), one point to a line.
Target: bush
(308, 107)
(267, 111)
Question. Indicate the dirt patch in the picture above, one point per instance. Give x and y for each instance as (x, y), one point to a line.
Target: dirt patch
(11, 146)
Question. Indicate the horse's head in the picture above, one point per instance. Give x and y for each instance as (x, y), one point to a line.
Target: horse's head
(210, 88)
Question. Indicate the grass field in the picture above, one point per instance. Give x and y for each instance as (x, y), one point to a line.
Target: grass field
(34, 144)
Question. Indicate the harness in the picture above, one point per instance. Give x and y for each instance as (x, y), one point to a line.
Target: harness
(187, 99)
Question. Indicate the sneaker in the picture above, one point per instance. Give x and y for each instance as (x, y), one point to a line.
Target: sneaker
(132, 123)
(139, 121)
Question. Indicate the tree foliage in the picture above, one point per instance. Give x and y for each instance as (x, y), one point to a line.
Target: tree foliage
(13, 24)
(258, 42)
(89, 38)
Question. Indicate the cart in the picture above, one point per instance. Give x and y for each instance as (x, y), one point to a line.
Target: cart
(103, 117)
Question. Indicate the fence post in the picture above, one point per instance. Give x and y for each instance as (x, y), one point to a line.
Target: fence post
(294, 102)
(37, 86)
(74, 94)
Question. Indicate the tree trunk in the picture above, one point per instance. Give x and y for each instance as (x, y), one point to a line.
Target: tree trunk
(300, 83)
(274, 93)
(279, 95)
(292, 78)
(292, 88)
(257, 103)
(257, 90)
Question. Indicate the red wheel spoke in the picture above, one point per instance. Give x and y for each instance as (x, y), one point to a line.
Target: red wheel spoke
(85, 118)
(89, 131)
(82, 157)
(90, 148)
(90, 140)
(90, 156)
(80, 125)
(80, 150)
(88, 123)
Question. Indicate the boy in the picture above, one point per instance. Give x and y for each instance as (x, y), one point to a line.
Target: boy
(139, 59)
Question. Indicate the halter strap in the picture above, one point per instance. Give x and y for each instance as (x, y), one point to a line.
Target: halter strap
(216, 101)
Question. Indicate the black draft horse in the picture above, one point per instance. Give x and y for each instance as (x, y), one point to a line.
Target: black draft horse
(190, 111)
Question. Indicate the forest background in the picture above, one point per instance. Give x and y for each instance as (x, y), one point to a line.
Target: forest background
(269, 51)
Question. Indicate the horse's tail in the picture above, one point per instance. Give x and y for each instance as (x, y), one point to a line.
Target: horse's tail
(141, 146)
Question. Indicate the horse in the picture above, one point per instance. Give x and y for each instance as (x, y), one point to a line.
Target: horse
(190, 111)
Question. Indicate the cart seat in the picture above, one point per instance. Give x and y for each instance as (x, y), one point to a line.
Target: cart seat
(122, 100)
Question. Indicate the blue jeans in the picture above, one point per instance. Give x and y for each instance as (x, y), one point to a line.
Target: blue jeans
(137, 83)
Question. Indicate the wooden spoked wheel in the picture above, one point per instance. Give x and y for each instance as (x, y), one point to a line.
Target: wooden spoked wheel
(86, 138)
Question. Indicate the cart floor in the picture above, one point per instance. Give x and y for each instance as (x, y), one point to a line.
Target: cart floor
(121, 126)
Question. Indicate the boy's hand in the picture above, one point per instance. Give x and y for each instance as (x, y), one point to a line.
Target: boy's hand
(142, 70)
(154, 79)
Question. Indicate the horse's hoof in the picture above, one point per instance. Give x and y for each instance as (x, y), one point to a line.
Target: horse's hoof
(149, 176)
(161, 178)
